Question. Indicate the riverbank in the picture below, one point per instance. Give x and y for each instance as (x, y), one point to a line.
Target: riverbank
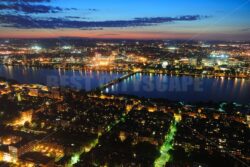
(143, 71)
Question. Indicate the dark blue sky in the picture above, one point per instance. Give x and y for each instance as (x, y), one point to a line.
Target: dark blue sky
(158, 19)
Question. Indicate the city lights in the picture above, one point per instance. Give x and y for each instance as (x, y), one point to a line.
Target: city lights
(36, 48)
(124, 83)
(135, 91)
(167, 145)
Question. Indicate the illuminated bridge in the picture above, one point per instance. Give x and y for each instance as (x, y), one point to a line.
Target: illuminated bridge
(115, 81)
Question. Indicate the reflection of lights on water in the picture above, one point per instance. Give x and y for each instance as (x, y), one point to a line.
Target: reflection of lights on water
(161, 77)
(221, 81)
(9, 70)
(235, 80)
(242, 84)
(59, 72)
(150, 76)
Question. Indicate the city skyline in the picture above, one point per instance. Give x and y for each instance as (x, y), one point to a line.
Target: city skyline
(115, 83)
(206, 20)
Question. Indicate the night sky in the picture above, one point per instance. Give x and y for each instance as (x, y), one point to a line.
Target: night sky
(135, 19)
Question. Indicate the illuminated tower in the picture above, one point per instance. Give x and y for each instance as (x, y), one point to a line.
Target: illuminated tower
(25, 59)
(199, 61)
(19, 97)
(248, 120)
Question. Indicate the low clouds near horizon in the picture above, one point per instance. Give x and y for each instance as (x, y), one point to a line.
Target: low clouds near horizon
(28, 22)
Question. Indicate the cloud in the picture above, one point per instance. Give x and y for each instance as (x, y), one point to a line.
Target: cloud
(73, 17)
(26, 22)
(70, 9)
(245, 29)
(93, 10)
(111, 34)
(27, 8)
(155, 20)
(91, 28)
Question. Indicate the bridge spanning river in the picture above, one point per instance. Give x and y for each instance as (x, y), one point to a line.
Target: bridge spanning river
(115, 81)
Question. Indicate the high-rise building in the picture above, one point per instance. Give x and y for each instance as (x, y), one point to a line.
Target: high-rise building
(248, 120)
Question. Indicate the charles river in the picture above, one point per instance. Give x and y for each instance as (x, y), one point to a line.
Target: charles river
(175, 88)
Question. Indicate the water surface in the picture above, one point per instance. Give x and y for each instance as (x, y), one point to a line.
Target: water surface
(86, 80)
(185, 88)
(176, 88)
